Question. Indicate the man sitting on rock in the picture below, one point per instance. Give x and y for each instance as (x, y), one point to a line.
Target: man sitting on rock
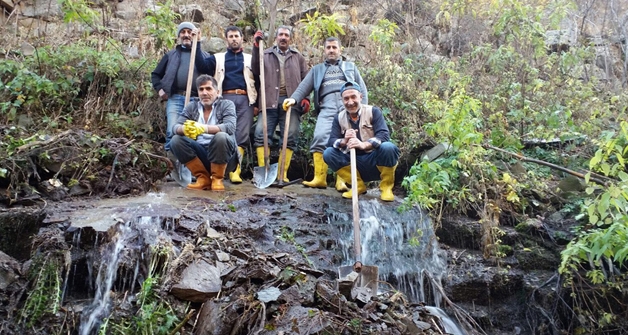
(362, 127)
(204, 137)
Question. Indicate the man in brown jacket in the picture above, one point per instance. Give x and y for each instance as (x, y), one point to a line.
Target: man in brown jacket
(284, 68)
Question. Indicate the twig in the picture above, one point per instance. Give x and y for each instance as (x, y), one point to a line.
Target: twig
(185, 320)
(162, 158)
(47, 141)
(548, 164)
(113, 169)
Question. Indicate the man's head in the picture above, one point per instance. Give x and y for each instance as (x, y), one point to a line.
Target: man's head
(332, 49)
(206, 87)
(351, 96)
(283, 37)
(184, 33)
(233, 35)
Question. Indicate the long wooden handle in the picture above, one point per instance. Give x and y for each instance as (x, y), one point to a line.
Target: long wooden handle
(284, 145)
(357, 245)
(263, 101)
(188, 90)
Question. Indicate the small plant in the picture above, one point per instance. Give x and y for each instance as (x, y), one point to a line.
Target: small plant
(45, 295)
(318, 27)
(160, 22)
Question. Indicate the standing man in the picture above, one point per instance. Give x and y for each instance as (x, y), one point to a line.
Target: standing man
(170, 79)
(325, 79)
(232, 70)
(204, 137)
(362, 127)
(284, 69)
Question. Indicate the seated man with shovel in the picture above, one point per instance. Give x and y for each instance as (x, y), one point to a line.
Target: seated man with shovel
(362, 127)
(204, 137)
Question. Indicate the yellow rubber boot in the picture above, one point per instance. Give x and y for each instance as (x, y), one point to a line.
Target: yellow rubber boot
(218, 174)
(260, 156)
(320, 172)
(341, 185)
(345, 174)
(387, 174)
(235, 175)
(288, 158)
(203, 180)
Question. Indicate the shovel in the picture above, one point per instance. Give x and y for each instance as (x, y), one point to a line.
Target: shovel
(181, 174)
(359, 280)
(265, 175)
(282, 158)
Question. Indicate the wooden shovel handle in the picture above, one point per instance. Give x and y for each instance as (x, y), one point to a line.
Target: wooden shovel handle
(284, 146)
(188, 89)
(357, 245)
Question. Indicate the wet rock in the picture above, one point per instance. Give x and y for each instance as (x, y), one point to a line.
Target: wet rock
(17, 228)
(460, 232)
(571, 184)
(301, 320)
(302, 293)
(199, 282)
(212, 319)
(9, 270)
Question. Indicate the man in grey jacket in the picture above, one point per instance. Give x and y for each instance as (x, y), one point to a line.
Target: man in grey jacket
(326, 79)
(204, 137)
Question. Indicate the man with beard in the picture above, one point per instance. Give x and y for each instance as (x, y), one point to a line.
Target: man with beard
(325, 80)
(204, 137)
(362, 127)
(284, 68)
(170, 79)
(232, 70)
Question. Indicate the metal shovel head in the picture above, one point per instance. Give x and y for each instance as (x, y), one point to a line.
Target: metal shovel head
(262, 177)
(181, 174)
(348, 279)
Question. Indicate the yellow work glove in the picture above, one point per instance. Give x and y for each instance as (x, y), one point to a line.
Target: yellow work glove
(192, 129)
(287, 103)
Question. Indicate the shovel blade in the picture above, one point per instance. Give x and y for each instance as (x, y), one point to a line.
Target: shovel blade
(181, 174)
(366, 278)
(263, 177)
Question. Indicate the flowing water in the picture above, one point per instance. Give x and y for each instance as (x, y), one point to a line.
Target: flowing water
(404, 247)
(129, 244)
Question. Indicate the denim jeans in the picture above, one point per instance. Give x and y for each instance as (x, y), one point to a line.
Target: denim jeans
(222, 149)
(386, 155)
(174, 107)
(276, 117)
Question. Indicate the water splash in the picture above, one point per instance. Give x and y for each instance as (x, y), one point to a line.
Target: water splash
(386, 234)
(450, 325)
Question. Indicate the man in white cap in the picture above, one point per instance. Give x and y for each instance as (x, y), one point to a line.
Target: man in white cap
(170, 79)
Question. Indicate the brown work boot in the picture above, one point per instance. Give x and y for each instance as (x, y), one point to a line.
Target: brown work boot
(218, 174)
(203, 180)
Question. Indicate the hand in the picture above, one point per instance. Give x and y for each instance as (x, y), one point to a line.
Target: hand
(287, 103)
(259, 35)
(162, 95)
(305, 104)
(196, 31)
(355, 143)
(192, 129)
(255, 111)
(349, 134)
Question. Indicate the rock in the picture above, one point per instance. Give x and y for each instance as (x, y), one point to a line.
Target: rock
(436, 151)
(210, 320)
(222, 256)
(9, 270)
(17, 228)
(42, 9)
(214, 45)
(301, 320)
(199, 282)
(571, 184)
(126, 14)
(268, 294)
(7, 5)
(193, 13)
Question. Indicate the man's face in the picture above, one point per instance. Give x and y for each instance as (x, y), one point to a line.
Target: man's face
(185, 37)
(207, 93)
(283, 39)
(234, 40)
(332, 51)
(351, 99)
